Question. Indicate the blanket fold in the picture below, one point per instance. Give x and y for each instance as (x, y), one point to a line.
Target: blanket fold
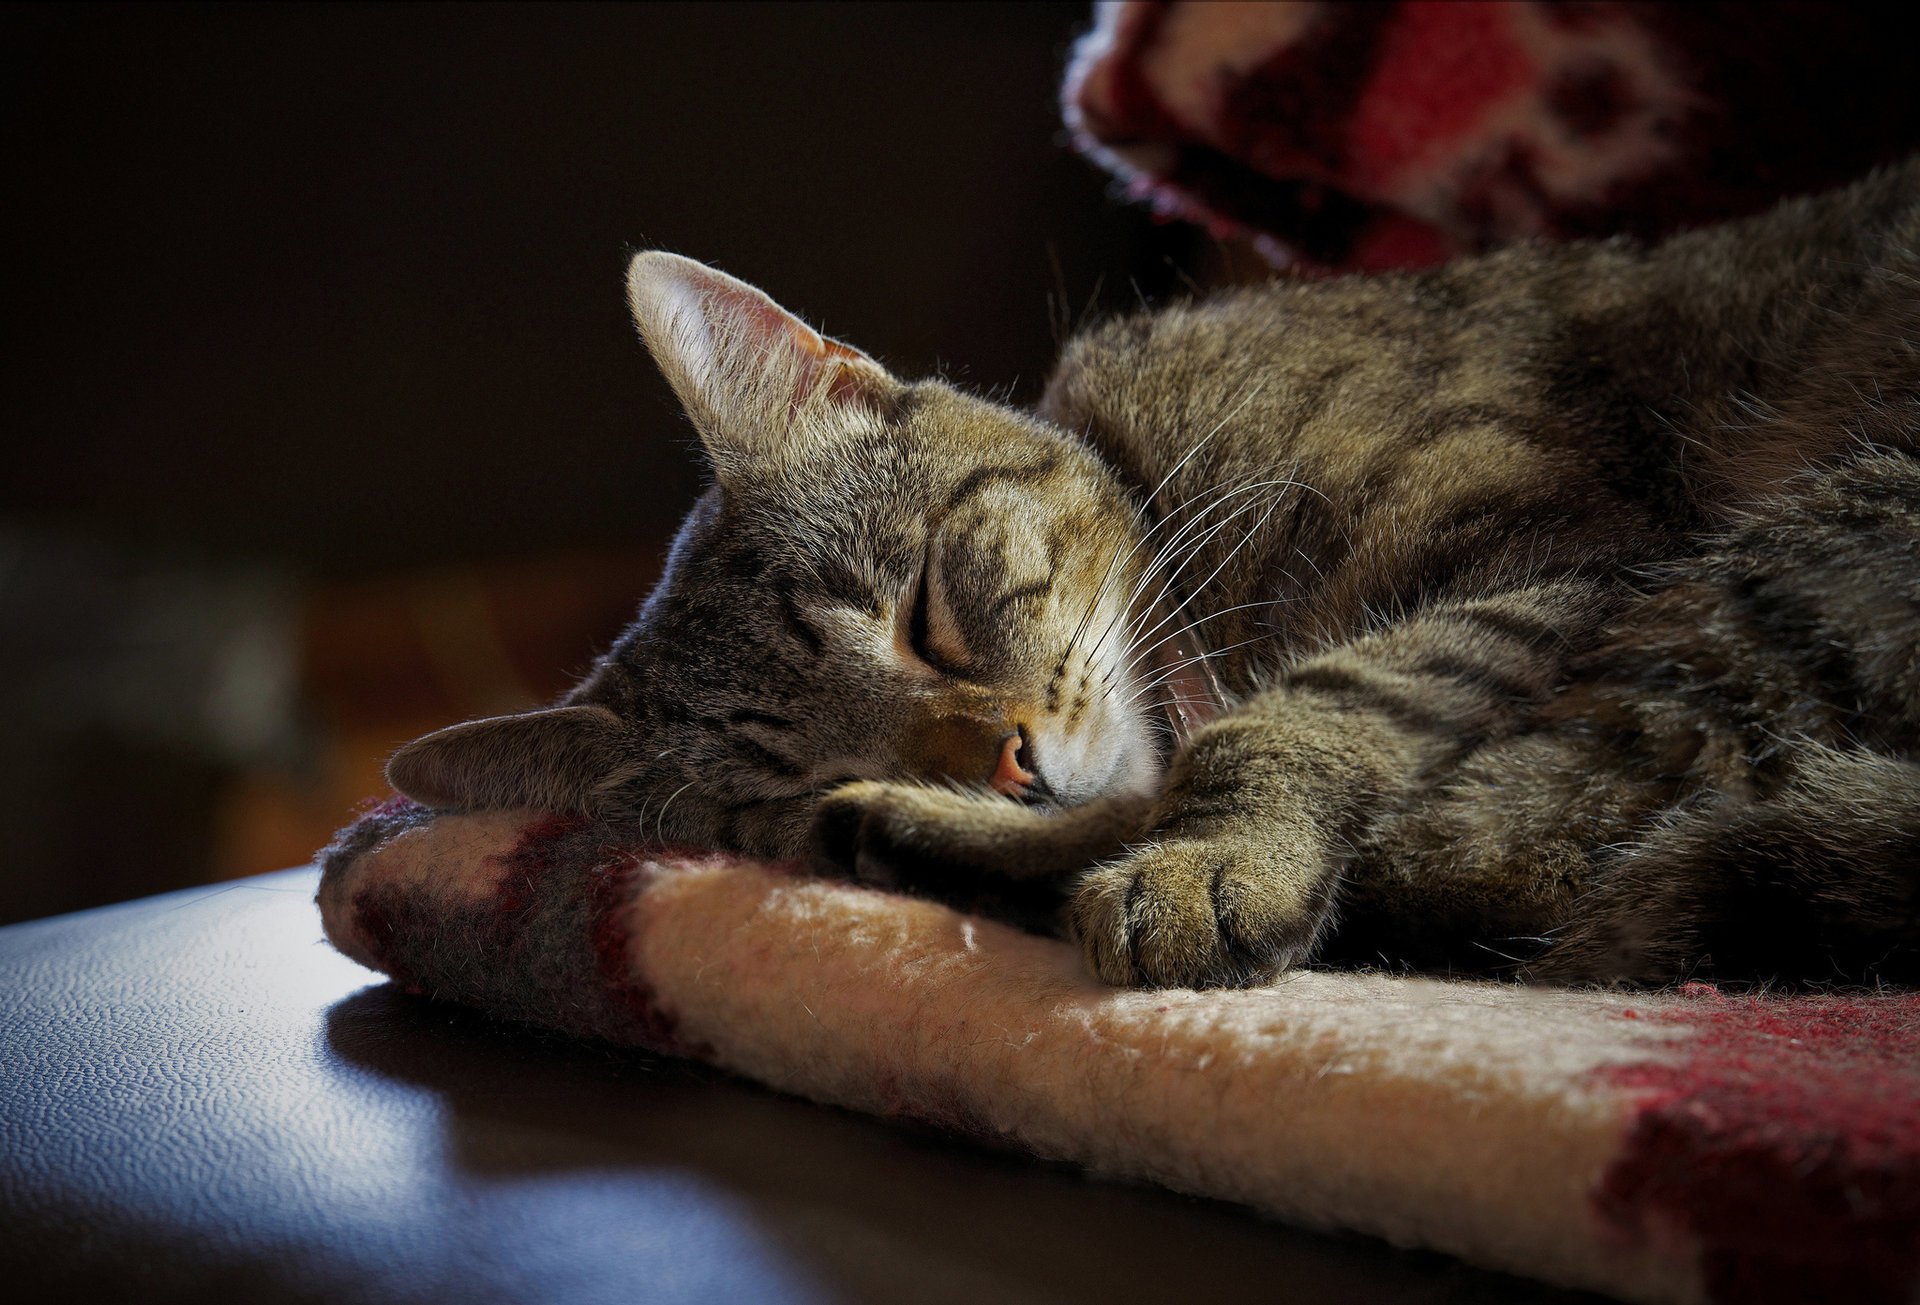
(1678, 1147)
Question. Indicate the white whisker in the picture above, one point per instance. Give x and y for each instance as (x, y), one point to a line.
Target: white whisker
(1101, 590)
(1178, 551)
(660, 821)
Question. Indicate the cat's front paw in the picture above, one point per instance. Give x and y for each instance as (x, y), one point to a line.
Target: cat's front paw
(853, 833)
(930, 839)
(965, 847)
(1200, 913)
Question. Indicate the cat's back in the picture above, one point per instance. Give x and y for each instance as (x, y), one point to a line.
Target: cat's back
(1417, 435)
(1714, 357)
(1314, 368)
(1400, 399)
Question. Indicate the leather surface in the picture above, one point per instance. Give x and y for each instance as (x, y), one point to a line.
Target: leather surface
(201, 1100)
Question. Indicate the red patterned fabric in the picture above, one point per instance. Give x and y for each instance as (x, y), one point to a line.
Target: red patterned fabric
(1782, 1140)
(1369, 136)
(1695, 1146)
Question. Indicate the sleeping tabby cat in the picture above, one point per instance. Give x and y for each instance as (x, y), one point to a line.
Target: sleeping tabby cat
(1555, 612)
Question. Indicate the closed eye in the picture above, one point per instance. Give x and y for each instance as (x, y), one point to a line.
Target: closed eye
(930, 634)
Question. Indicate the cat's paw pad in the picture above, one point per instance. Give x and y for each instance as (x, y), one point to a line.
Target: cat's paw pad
(1197, 913)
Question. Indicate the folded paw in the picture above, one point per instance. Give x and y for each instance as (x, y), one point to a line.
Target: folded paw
(1202, 913)
(865, 831)
(913, 836)
(957, 845)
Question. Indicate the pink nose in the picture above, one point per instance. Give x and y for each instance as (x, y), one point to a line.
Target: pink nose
(1010, 777)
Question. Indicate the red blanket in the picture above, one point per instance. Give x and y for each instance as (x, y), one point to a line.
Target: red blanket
(1386, 135)
(1673, 1147)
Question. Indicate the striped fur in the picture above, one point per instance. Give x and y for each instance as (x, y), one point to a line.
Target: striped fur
(1552, 613)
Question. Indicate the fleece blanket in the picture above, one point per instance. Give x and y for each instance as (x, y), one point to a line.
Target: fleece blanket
(1388, 135)
(1678, 1147)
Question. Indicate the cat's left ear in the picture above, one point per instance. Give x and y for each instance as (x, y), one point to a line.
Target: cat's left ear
(750, 374)
(554, 759)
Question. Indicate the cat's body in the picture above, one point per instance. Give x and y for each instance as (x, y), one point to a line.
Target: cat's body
(1555, 611)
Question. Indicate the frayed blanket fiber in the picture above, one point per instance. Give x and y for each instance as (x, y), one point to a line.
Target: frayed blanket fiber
(1692, 1146)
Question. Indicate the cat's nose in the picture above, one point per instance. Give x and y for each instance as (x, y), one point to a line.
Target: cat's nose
(1018, 775)
(994, 748)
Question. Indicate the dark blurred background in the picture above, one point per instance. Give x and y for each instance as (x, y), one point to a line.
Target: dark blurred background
(326, 425)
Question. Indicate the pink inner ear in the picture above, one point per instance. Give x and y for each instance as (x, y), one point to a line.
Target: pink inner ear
(770, 322)
(850, 383)
(849, 375)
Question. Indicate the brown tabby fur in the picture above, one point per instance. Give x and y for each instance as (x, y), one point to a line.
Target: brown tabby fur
(1558, 613)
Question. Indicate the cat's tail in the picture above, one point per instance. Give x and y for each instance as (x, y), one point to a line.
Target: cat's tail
(1818, 883)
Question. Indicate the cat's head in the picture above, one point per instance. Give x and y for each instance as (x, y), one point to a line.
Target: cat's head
(885, 580)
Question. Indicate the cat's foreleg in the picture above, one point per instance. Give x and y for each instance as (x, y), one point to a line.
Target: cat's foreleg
(1239, 878)
(954, 843)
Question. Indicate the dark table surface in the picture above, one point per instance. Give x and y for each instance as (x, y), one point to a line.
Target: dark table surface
(201, 1100)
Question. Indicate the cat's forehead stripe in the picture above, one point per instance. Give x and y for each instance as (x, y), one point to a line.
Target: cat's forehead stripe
(1024, 473)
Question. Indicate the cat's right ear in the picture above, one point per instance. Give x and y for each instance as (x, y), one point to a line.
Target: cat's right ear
(555, 759)
(753, 377)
